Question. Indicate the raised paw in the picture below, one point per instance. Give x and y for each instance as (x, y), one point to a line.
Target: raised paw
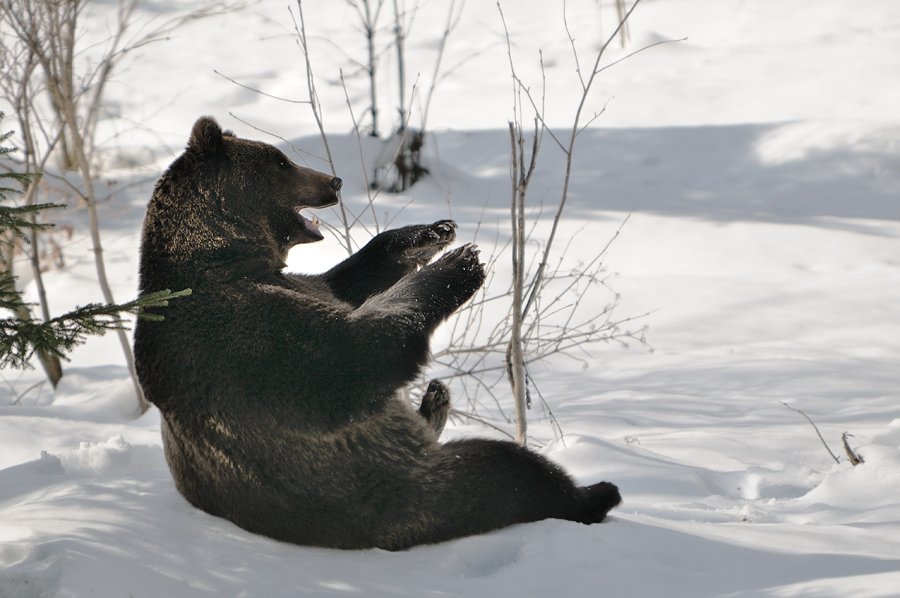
(445, 231)
(418, 243)
(435, 406)
(463, 270)
(465, 259)
(463, 254)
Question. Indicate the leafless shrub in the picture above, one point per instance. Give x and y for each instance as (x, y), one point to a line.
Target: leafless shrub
(551, 308)
(58, 98)
(398, 166)
(816, 428)
(369, 13)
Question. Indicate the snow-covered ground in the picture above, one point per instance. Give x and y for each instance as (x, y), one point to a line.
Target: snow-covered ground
(760, 162)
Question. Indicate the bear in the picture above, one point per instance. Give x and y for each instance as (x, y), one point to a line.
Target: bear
(278, 392)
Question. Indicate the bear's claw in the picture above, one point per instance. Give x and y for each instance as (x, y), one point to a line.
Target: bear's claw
(445, 230)
(417, 244)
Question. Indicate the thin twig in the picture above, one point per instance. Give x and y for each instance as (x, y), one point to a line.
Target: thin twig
(300, 31)
(39, 385)
(362, 159)
(816, 428)
(453, 17)
(638, 51)
(481, 421)
(260, 92)
(569, 152)
(299, 150)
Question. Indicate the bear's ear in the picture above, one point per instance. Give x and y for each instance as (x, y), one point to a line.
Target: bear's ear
(206, 137)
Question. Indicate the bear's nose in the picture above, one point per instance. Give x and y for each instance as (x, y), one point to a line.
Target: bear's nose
(336, 183)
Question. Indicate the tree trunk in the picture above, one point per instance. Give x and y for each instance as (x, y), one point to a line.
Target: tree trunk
(97, 248)
(51, 364)
(399, 36)
(514, 353)
(373, 97)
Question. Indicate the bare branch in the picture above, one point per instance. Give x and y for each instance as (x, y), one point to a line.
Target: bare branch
(481, 421)
(399, 42)
(362, 160)
(287, 142)
(260, 92)
(300, 31)
(600, 69)
(816, 428)
(572, 44)
(369, 21)
(570, 147)
(453, 17)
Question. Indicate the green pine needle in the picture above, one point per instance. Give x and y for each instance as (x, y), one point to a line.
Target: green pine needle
(21, 336)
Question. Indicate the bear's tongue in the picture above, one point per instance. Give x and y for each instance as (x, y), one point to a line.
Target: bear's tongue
(310, 228)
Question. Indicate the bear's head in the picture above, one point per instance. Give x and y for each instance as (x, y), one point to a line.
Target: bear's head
(228, 203)
(259, 186)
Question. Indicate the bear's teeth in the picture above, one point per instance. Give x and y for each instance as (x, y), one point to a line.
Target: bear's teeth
(316, 222)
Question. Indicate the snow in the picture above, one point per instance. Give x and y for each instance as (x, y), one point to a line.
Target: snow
(759, 160)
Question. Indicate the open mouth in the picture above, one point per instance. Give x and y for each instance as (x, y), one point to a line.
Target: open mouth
(309, 227)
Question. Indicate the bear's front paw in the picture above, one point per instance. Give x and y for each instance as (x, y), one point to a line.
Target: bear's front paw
(464, 259)
(463, 269)
(445, 231)
(417, 244)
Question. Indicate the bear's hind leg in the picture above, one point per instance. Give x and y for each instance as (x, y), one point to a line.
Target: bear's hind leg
(476, 486)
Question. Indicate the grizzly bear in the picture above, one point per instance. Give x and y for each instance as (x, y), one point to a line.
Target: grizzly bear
(279, 392)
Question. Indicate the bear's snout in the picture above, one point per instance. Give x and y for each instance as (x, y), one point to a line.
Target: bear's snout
(337, 183)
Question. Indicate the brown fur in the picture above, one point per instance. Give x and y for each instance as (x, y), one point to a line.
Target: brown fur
(278, 392)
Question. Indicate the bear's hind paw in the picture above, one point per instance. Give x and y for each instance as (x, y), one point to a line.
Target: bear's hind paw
(435, 406)
(599, 500)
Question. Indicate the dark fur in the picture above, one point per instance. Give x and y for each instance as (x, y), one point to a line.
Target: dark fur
(277, 392)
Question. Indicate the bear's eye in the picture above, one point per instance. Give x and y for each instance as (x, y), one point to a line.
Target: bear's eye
(279, 158)
(283, 162)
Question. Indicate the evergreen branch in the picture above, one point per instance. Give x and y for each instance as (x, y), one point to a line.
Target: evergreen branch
(21, 335)
(20, 339)
(140, 305)
(19, 219)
